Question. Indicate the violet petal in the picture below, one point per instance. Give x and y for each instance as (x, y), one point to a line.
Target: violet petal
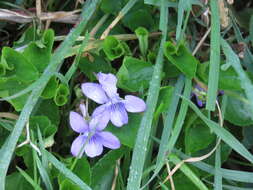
(83, 109)
(109, 140)
(199, 102)
(77, 145)
(95, 92)
(108, 83)
(77, 122)
(94, 147)
(99, 121)
(99, 110)
(118, 114)
(134, 104)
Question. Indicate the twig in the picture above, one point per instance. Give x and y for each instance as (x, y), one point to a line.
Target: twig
(116, 173)
(197, 159)
(123, 37)
(98, 25)
(60, 16)
(9, 115)
(28, 140)
(38, 8)
(110, 27)
(201, 41)
(171, 179)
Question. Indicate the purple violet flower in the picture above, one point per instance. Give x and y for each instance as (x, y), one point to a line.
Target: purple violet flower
(113, 107)
(92, 138)
(200, 95)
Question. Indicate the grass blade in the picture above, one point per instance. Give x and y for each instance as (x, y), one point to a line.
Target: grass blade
(188, 172)
(235, 175)
(181, 116)
(214, 56)
(140, 148)
(170, 115)
(248, 57)
(233, 59)
(29, 179)
(43, 174)
(67, 172)
(226, 136)
(164, 145)
(218, 175)
(74, 66)
(55, 62)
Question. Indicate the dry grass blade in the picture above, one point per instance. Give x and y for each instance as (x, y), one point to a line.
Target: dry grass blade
(61, 16)
(172, 185)
(8, 115)
(197, 159)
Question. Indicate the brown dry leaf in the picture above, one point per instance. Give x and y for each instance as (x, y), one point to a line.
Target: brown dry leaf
(224, 18)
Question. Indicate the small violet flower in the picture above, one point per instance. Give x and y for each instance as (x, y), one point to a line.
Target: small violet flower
(200, 95)
(92, 138)
(113, 107)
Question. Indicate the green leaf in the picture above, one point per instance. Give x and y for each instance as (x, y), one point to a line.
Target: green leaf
(30, 35)
(103, 168)
(26, 153)
(238, 112)
(61, 95)
(20, 69)
(50, 89)
(81, 169)
(170, 70)
(142, 35)
(62, 90)
(19, 66)
(60, 100)
(127, 134)
(40, 56)
(164, 100)
(16, 181)
(197, 137)
(135, 19)
(134, 74)
(66, 172)
(47, 129)
(251, 28)
(68, 185)
(225, 135)
(12, 86)
(228, 79)
(113, 48)
(246, 83)
(29, 179)
(5, 129)
(112, 6)
(181, 58)
(49, 109)
(247, 136)
(97, 64)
